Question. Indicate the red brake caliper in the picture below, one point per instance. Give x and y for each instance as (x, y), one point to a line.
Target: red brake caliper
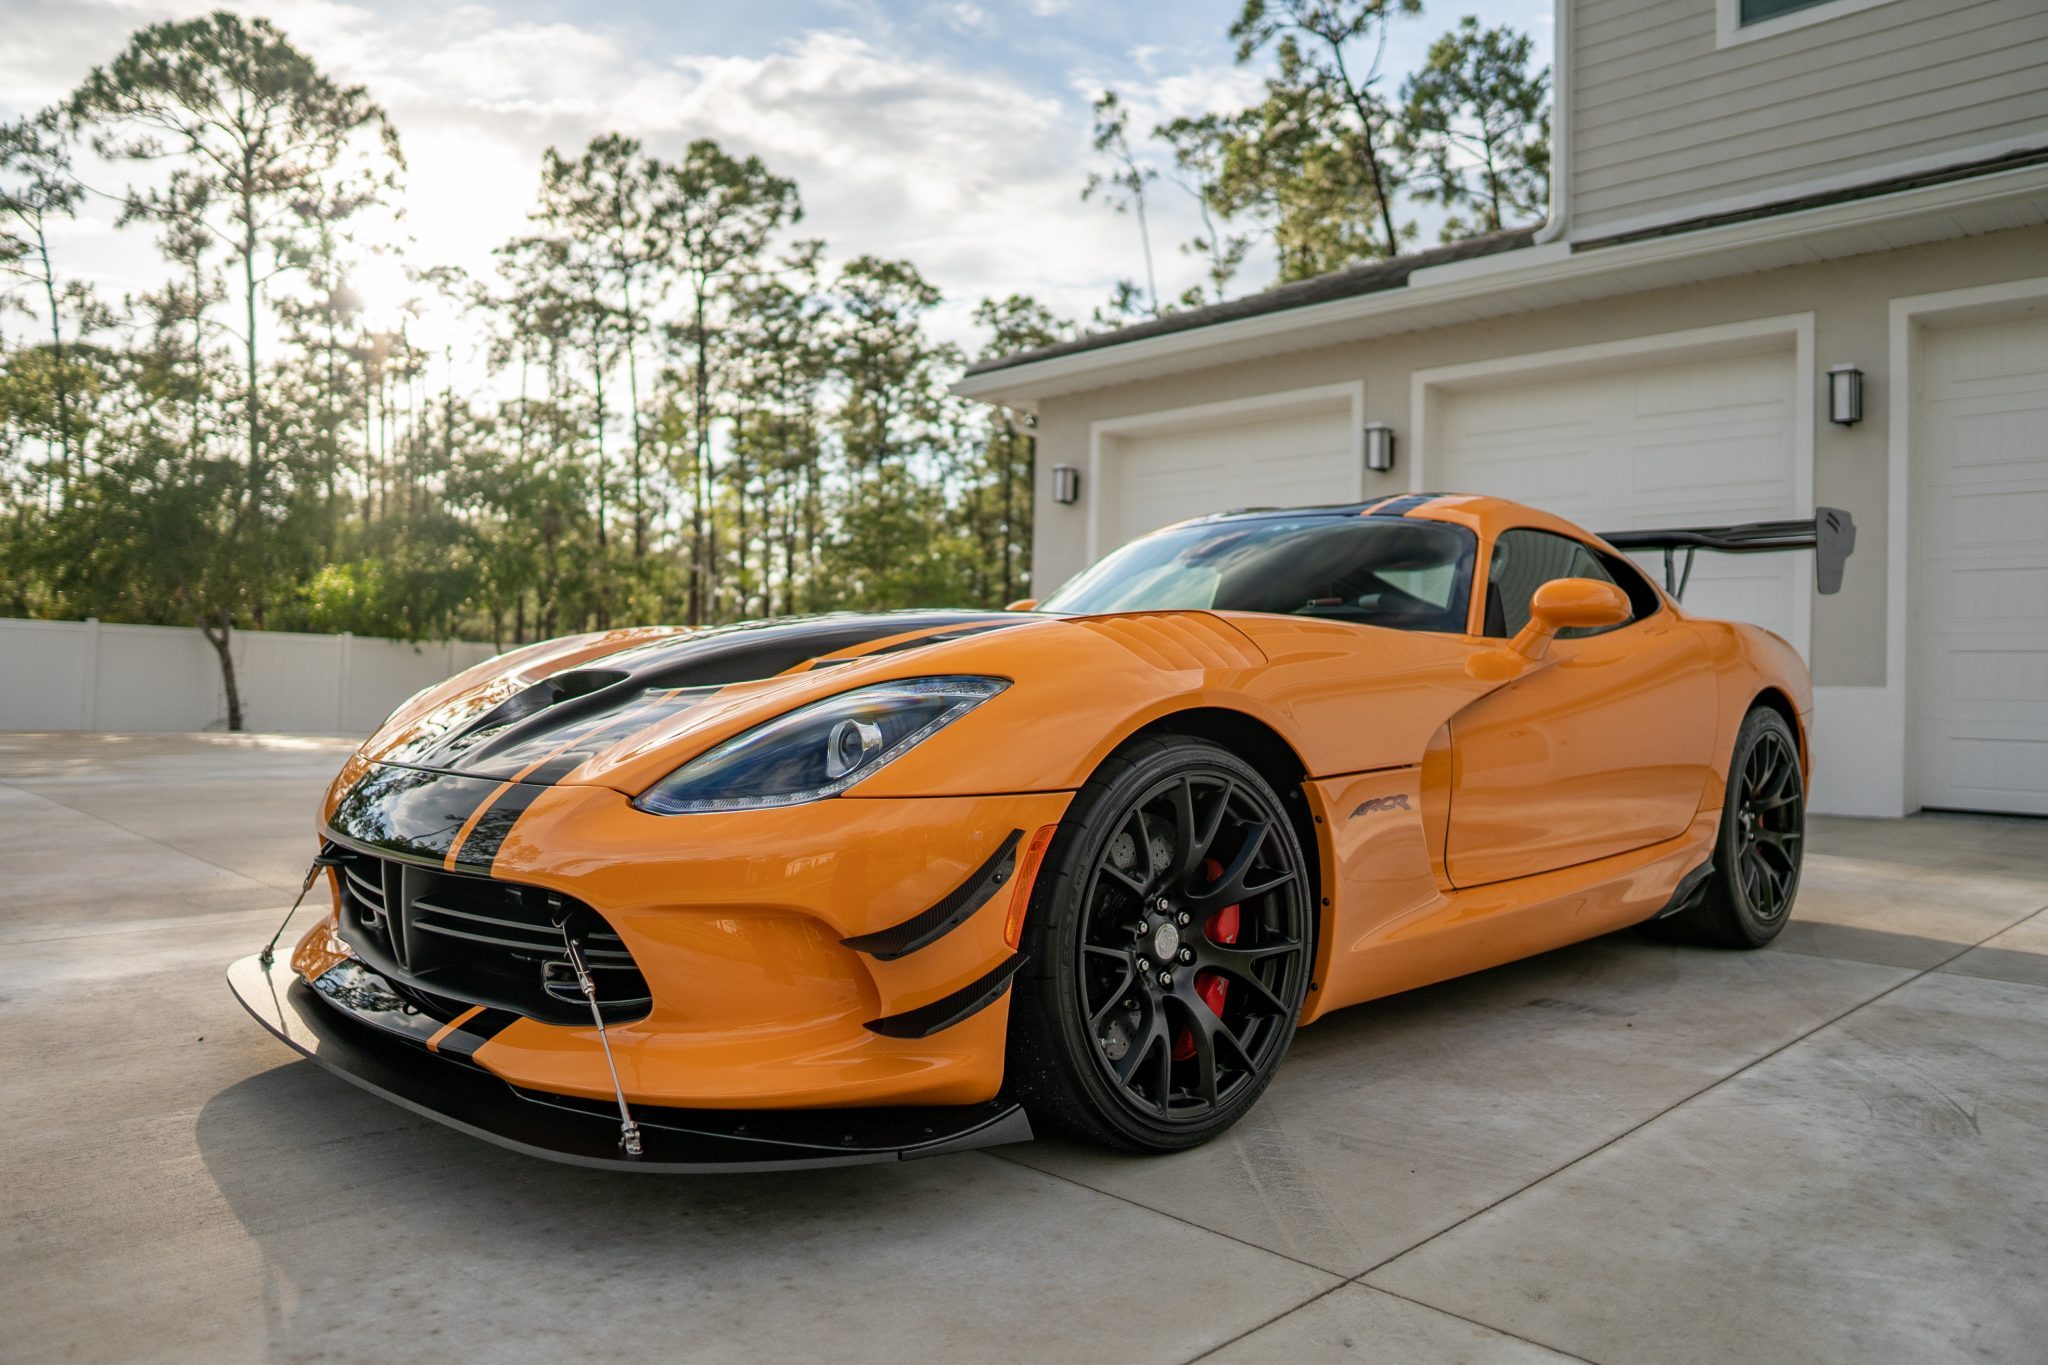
(1211, 986)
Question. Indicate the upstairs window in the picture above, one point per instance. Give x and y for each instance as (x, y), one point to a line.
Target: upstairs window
(1756, 11)
(1742, 21)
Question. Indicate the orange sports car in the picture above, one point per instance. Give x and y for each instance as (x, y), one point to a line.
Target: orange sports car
(859, 888)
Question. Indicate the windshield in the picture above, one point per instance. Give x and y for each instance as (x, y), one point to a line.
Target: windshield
(1381, 571)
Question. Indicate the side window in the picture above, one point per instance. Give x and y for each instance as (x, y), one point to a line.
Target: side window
(1525, 560)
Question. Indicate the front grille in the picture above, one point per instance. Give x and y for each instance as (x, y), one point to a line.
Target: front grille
(479, 941)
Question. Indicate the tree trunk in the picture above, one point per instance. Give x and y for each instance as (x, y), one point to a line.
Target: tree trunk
(703, 585)
(1493, 192)
(198, 349)
(633, 403)
(59, 380)
(218, 632)
(249, 336)
(604, 608)
(1144, 236)
(1360, 106)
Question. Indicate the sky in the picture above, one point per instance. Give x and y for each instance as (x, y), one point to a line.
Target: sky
(954, 133)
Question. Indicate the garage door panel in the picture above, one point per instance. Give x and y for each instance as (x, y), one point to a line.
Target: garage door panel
(1516, 414)
(1727, 386)
(1994, 772)
(1978, 637)
(1997, 594)
(1736, 466)
(1996, 448)
(2000, 683)
(1968, 525)
(1154, 480)
(1548, 479)
(1971, 360)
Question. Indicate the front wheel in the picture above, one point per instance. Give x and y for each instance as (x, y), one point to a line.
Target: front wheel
(1761, 846)
(1170, 948)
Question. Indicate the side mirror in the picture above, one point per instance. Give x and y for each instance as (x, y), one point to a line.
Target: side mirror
(1022, 604)
(1562, 602)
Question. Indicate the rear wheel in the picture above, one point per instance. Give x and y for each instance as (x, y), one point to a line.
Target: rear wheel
(1757, 859)
(1170, 948)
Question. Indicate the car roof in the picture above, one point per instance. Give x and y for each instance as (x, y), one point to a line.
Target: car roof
(1479, 512)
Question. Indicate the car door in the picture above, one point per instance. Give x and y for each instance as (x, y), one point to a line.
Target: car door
(1603, 748)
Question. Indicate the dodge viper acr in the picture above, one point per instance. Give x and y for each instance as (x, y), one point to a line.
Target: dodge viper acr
(855, 888)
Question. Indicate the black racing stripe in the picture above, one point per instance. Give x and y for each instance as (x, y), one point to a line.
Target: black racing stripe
(940, 637)
(473, 1032)
(409, 812)
(557, 768)
(597, 741)
(731, 654)
(947, 914)
(480, 849)
(947, 1011)
(1401, 507)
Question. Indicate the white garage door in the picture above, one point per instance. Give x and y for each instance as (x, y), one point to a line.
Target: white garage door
(1979, 637)
(1278, 459)
(1705, 441)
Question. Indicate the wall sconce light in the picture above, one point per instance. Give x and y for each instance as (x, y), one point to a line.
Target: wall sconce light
(1379, 447)
(1845, 395)
(1066, 484)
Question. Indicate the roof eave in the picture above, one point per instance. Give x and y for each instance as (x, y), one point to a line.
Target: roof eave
(1494, 279)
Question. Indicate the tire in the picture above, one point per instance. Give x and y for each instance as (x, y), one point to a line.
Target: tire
(1178, 856)
(1748, 897)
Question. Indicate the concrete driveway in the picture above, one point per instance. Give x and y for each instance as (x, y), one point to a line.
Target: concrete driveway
(1834, 1150)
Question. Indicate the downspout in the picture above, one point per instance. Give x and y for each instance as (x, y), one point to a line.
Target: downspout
(1553, 229)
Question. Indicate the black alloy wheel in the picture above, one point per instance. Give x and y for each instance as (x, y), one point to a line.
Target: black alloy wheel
(1172, 950)
(1770, 823)
(1747, 899)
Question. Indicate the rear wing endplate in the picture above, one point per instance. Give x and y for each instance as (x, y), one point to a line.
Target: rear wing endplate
(1831, 535)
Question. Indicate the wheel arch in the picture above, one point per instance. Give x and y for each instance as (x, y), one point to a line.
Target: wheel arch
(1775, 698)
(1276, 760)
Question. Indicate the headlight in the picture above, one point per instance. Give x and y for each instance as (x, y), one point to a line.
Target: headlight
(818, 750)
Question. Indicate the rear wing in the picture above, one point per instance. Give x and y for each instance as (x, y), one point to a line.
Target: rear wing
(1831, 535)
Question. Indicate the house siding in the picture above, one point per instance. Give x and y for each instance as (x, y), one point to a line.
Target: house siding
(1665, 125)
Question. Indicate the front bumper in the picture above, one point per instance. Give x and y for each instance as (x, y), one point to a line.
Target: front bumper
(849, 953)
(583, 1132)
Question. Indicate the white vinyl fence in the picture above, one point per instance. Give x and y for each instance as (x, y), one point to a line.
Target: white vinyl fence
(82, 675)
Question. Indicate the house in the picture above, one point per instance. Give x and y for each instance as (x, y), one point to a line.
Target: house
(1749, 194)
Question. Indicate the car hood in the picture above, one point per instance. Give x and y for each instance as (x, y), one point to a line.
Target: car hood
(624, 709)
(539, 714)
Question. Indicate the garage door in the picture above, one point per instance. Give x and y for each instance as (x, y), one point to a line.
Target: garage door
(1706, 441)
(1278, 459)
(1979, 635)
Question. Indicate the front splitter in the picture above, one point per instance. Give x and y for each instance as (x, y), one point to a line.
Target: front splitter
(585, 1133)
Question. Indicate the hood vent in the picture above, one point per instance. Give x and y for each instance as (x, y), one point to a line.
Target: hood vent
(1178, 641)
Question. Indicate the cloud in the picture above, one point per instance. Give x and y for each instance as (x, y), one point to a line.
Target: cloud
(963, 18)
(970, 168)
(1187, 92)
(970, 174)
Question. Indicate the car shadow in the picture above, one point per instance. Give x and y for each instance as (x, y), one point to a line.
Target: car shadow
(357, 1205)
